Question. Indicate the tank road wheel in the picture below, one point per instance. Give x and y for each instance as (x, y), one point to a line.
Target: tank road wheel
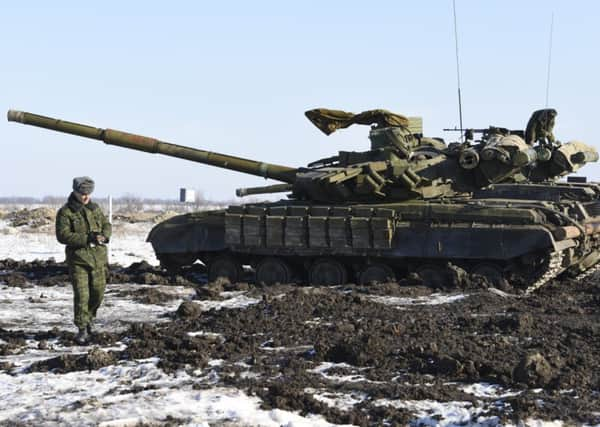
(492, 273)
(376, 273)
(327, 272)
(174, 262)
(434, 276)
(226, 268)
(273, 270)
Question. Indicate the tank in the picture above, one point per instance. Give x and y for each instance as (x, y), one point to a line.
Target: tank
(491, 207)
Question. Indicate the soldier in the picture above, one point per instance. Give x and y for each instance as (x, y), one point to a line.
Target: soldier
(540, 126)
(81, 225)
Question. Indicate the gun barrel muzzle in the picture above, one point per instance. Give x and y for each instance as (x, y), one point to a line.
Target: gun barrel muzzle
(15, 116)
(277, 188)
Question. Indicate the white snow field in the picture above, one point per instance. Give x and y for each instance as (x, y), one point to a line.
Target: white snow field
(128, 244)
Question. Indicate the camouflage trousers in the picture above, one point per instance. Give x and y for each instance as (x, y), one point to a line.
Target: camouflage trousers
(88, 292)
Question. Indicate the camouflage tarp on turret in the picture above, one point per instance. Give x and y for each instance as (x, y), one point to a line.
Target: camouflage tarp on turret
(328, 121)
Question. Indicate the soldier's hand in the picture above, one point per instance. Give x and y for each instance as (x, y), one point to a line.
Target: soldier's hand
(97, 238)
(92, 237)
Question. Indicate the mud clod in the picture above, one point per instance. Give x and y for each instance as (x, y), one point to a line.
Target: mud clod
(33, 218)
(6, 366)
(94, 359)
(16, 280)
(212, 291)
(189, 309)
(533, 370)
(147, 295)
(97, 358)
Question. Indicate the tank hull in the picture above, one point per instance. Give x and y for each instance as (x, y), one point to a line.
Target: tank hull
(514, 239)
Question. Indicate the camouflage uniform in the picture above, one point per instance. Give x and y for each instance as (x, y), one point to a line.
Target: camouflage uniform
(88, 263)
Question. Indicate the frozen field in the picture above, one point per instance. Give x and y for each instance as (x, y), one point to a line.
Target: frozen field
(128, 244)
(247, 357)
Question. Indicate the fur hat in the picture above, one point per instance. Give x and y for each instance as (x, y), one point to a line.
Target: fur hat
(83, 184)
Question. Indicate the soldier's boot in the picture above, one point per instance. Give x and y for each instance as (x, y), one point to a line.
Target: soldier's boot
(82, 337)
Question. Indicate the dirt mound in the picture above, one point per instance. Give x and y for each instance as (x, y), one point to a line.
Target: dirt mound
(33, 218)
(40, 272)
(15, 280)
(144, 273)
(175, 352)
(143, 216)
(11, 341)
(188, 309)
(147, 295)
(94, 359)
(50, 273)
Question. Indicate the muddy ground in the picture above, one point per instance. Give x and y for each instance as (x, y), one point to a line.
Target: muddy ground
(542, 350)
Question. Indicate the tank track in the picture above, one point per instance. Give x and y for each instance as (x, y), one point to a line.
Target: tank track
(589, 272)
(553, 269)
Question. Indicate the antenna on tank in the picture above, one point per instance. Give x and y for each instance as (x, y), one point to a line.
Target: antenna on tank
(549, 59)
(458, 73)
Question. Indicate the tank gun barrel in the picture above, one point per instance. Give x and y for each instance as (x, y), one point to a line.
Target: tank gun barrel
(251, 191)
(152, 145)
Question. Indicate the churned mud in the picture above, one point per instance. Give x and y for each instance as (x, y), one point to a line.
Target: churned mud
(363, 355)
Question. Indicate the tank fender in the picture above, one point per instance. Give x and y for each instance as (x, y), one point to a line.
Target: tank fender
(471, 241)
(189, 233)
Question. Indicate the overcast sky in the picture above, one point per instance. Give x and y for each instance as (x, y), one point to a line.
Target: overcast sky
(236, 77)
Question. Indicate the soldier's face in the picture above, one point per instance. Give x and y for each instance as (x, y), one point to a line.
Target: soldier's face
(83, 198)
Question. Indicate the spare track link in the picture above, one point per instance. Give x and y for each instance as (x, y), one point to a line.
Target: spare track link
(553, 269)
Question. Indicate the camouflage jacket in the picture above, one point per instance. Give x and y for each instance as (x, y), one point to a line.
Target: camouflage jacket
(74, 223)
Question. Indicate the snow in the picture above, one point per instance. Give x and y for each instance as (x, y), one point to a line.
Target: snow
(488, 390)
(110, 397)
(205, 334)
(326, 366)
(128, 244)
(42, 308)
(342, 401)
(433, 299)
(233, 300)
(432, 413)
(32, 354)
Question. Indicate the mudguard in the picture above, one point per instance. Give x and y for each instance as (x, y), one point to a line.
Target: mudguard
(471, 241)
(189, 233)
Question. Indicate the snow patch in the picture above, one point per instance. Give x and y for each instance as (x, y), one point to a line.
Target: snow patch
(488, 390)
(128, 244)
(234, 300)
(131, 392)
(204, 334)
(42, 308)
(326, 366)
(432, 413)
(433, 299)
(342, 401)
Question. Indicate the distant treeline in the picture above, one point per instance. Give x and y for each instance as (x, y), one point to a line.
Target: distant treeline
(53, 200)
(127, 201)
